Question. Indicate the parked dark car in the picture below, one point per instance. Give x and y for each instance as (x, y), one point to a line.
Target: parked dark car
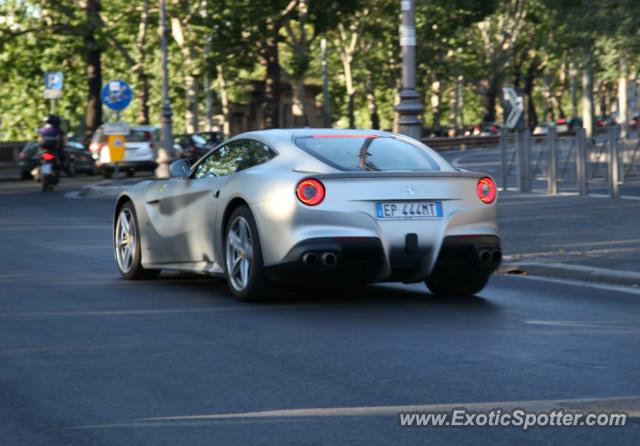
(78, 159)
(213, 138)
(194, 146)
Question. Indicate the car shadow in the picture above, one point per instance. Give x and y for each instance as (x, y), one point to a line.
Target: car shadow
(379, 294)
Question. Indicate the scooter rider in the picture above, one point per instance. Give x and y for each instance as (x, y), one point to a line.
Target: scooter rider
(52, 138)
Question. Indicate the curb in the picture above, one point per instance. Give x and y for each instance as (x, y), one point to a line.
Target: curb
(101, 190)
(109, 188)
(573, 272)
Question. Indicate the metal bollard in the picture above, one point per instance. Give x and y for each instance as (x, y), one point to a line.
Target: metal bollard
(581, 161)
(503, 157)
(522, 146)
(552, 147)
(614, 191)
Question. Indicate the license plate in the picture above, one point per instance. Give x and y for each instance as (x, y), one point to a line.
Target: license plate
(409, 210)
(46, 169)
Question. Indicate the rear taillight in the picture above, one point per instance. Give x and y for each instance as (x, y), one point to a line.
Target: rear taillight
(486, 190)
(95, 148)
(310, 192)
(48, 156)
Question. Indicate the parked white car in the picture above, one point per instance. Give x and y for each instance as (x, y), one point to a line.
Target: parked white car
(140, 150)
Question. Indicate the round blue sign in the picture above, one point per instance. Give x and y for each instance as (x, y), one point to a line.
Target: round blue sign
(116, 95)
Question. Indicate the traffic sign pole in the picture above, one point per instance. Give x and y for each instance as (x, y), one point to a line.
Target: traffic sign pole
(117, 96)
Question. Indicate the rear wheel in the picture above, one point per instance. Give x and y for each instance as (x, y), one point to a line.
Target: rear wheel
(44, 183)
(126, 240)
(457, 284)
(244, 268)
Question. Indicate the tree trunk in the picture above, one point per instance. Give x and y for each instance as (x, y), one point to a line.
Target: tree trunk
(573, 86)
(297, 103)
(587, 93)
(455, 106)
(351, 92)
(531, 117)
(301, 50)
(436, 105)
(271, 113)
(623, 99)
(491, 95)
(93, 54)
(191, 107)
(372, 105)
(558, 94)
(224, 101)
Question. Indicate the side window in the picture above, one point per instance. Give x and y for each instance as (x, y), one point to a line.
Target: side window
(256, 154)
(232, 158)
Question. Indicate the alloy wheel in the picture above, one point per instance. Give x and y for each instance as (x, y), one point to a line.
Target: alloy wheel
(125, 240)
(239, 253)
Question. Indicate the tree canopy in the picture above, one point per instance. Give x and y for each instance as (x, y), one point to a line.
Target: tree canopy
(226, 53)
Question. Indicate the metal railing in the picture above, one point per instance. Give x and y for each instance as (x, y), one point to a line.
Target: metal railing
(568, 163)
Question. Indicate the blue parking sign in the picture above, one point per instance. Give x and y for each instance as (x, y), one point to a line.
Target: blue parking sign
(53, 80)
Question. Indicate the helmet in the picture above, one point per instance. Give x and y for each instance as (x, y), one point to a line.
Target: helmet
(52, 120)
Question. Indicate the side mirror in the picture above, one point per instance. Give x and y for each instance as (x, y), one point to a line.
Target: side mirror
(180, 169)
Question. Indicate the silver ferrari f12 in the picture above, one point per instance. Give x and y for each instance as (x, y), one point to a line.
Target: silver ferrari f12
(313, 206)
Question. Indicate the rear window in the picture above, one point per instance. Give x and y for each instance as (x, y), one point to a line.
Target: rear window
(139, 136)
(136, 135)
(367, 152)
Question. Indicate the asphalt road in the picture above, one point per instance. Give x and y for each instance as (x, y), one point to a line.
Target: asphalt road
(87, 358)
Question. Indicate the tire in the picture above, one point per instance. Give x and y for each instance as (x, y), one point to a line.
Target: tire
(126, 236)
(250, 284)
(71, 170)
(460, 285)
(44, 183)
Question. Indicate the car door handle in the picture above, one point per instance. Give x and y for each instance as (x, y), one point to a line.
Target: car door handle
(153, 201)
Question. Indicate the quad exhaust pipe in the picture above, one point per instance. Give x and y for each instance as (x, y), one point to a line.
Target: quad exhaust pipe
(488, 257)
(326, 259)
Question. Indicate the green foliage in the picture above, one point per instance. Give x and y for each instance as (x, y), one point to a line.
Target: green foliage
(481, 42)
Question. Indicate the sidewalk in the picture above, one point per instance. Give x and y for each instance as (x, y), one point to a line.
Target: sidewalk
(571, 236)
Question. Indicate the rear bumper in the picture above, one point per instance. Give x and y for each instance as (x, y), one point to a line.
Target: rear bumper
(363, 260)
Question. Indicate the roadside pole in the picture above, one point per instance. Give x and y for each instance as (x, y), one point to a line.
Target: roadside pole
(581, 161)
(614, 191)
(410, 107)
(523, 143)
(53, 81)
(166, 153)
(116, 95)
(503, 156)
(552, 146)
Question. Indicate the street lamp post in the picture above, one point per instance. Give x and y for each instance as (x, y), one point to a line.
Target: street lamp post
(410, 107)
(166, 152)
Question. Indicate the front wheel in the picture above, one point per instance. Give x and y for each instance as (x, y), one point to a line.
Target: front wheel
(244, 268)
(126, 241)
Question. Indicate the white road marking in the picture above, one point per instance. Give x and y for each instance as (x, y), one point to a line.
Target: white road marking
(628, 404)
(577, 283)
(55, 314)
